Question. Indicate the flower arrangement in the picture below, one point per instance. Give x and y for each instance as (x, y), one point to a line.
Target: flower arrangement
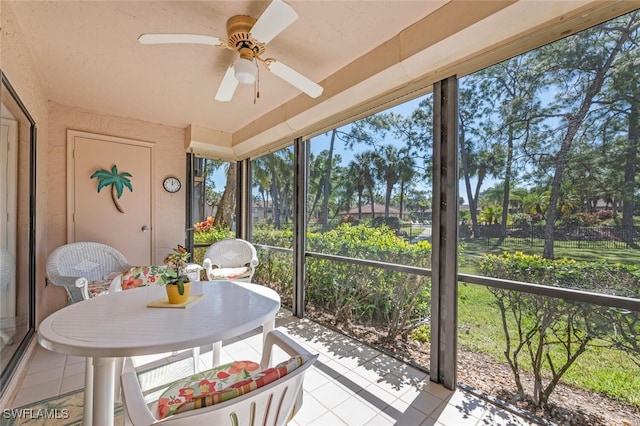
(176, 262)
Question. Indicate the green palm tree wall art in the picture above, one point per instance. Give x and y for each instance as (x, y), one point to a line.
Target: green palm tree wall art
(116, 180)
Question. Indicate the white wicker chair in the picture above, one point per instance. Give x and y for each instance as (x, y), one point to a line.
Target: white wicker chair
(273, 404)
(75, 265)
(232, 259)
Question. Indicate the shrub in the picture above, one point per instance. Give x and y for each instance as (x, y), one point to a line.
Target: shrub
(551, 333)
(521, 219)
(390, 222)
(399, 301)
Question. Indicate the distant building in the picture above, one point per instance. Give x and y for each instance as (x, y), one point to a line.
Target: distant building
(378, 211)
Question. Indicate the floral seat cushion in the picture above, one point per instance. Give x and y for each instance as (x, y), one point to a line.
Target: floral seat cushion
(231, 273)
(98, 288)
(142, 276)
(220, 384)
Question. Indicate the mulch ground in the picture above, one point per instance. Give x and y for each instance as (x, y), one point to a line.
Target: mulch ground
(571, 406)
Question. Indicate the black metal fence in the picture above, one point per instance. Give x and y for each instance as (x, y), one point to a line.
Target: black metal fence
(597, 237)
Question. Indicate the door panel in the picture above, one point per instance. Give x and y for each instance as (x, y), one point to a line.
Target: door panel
(94, 215)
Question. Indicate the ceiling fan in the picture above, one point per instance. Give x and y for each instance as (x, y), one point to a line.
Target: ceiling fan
(249, 38)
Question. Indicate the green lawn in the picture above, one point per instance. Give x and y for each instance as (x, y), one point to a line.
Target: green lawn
(603, 370)
(622, 255)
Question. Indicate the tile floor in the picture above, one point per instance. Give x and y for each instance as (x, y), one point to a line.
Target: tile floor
(350, 384)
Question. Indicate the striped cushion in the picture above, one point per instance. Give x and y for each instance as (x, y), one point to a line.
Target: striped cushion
(220, 384)
(98, 288)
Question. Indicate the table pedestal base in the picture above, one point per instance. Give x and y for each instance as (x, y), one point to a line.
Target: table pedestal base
(99, 401)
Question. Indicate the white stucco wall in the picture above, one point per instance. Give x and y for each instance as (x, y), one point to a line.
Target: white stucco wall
(52, 121)
(16, 63)
(169, 160)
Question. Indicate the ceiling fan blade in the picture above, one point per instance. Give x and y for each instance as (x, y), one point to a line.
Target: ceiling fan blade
(276, 17)
(179, 38)
(296, 79)
(227, 86)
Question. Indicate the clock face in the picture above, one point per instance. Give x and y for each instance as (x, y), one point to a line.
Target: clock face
(171, 184)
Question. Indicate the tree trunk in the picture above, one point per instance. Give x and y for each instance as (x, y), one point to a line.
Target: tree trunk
(629, 185)
(574, 123)
(473, 210)
(227, 205)
(327, 185)
(275, 198)
(507, 186)
(115, 199)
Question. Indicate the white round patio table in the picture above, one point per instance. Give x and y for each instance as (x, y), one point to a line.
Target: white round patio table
(118, 325)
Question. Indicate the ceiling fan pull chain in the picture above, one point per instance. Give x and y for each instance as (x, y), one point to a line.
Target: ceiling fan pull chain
(256, 84)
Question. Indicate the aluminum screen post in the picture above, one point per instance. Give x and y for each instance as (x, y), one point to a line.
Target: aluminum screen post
(243, 200)
(444, 257)
(301, 161)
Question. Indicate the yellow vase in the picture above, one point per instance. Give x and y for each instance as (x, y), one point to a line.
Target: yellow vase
(173, 294)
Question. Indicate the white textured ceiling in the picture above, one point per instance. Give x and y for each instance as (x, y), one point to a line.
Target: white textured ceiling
(91, 58)
(88, 55)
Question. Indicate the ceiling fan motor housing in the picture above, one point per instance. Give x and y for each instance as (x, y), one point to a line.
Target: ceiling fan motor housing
(239, 32)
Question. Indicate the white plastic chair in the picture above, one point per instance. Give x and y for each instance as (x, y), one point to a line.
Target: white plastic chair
(75, 266)
(273, 404)
(233, 259)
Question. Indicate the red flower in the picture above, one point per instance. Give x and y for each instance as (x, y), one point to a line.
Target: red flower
(131, 283)
(223, 375)
(206, 386)
(163, 407)
(238, 366)
(187, 393)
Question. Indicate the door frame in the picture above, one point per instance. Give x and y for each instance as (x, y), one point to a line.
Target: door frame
(71, 141)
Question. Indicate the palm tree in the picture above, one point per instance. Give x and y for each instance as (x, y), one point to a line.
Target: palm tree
(366, 161)
(262, 179)
(389, 167)
(116, 180)
(406, 172)
(359, 183)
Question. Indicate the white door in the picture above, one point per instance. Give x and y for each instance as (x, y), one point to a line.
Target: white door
(123, 221)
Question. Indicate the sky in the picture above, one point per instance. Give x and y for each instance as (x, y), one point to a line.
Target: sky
(321, 142)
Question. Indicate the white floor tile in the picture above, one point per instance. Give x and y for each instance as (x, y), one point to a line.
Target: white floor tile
(311, 410)
(27, 395)
(43, 376)
(426, 402)
(328, 419)
(409, 417)
(314, 378)
(355, 412)
(70, 383)
(350, 385)
(331, 394)
(381, 420)
(44, 360)
(450, 414)
(467, 404)
(75, 368)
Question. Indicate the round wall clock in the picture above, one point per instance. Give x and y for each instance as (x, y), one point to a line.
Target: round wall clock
(171, 184)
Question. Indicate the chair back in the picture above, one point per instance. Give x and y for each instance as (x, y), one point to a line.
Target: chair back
(90, 260)
(272, 404)
(230, 253)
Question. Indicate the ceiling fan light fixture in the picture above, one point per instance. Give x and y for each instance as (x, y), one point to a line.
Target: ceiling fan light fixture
(245, 71)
